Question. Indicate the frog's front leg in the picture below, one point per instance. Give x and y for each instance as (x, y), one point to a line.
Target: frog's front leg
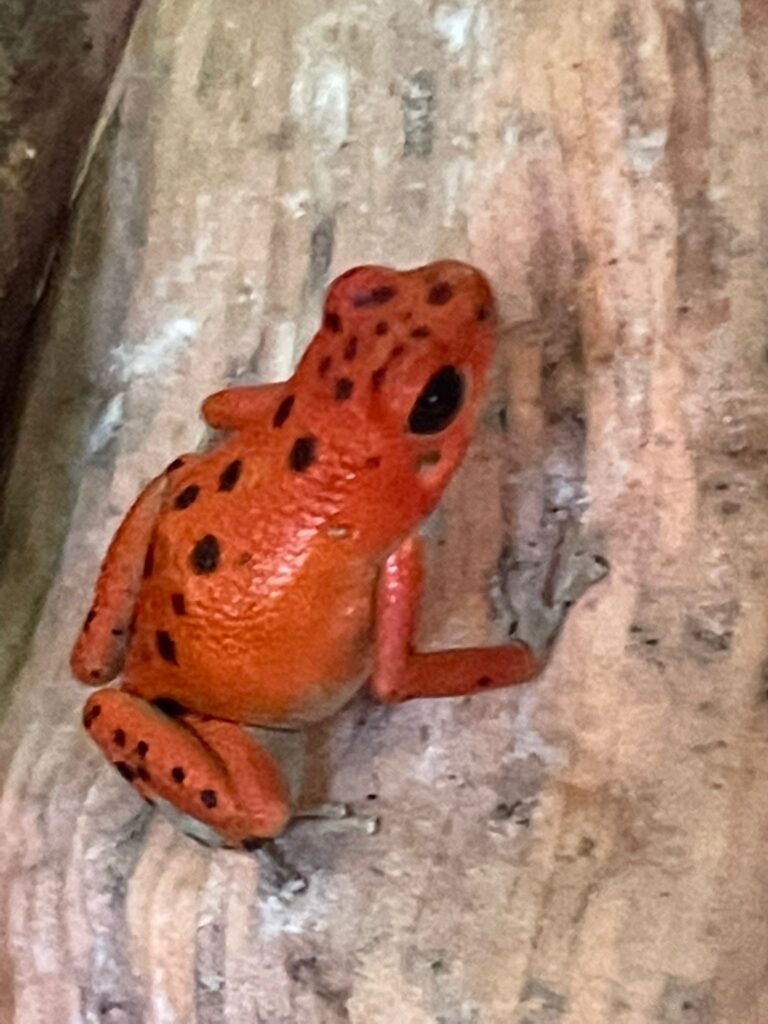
(402, 673)
(235, 408)
(206, 768)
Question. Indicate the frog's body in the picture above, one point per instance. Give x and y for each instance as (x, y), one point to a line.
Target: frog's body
(263, 581)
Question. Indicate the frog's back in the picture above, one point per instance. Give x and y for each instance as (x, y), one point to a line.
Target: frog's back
(257, 600)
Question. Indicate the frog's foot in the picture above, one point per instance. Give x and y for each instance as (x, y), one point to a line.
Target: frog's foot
(208, 770)
(541, 600)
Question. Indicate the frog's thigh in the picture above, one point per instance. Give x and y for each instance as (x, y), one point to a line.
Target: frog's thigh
(402, 673)
(206, 768)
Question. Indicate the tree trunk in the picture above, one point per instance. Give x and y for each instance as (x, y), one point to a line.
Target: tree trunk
(57, 58)
(587, 849)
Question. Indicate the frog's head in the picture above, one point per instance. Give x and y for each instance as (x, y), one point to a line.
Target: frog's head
(397, 372)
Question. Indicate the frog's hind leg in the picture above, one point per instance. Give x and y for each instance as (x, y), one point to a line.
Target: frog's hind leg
(205, 768)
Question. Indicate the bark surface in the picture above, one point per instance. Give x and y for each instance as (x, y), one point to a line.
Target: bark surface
(588, 849)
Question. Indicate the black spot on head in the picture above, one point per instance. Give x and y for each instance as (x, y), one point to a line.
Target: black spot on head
(91, 715)
(382, 327)
(333, 322)
(230, 475)
(169, 706)
(483, 313)
(178, 604)
(176, 464)
(118, 738)
(89, 618)
(373, 296)
(344, 388)
(350, 349)
(377, 377)
(324, 365)
(166, 648)
(149, 561)
(439, 294)
(142, 773)
(187, 496)
(178, 774)
(117, 632)
(252, 843)
(283, 411)
(125, 770)
(94, 674)
(205, 555)
(303, 453)
(430, 458)
(142, 748)
(484, 681)
(373, 461)
(420, 332)
(209, 798)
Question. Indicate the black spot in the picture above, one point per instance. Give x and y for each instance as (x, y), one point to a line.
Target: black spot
(303, 453)
(485, 681)
(187, 496)
(91, 714)
(94, 674)
(397, 351)
(283, 411)
(89, 618)
(373, 461)
(178, 774)
(176, 464)
(382, 327)
(333, 322)
(118, 738)
(165, 646)
(252, 843)
(205, 555)
(377, 377)
(169, 706)
(125, 770)
(430, 458)
(230, 475)
(179, 604)
(483, 313)
(344, 388)
(439, 294)
(141, 748)
(142, 773)
(209, 798)
(117, 632)
(373, 296)
(149, 561)
(420, 332)
(350, 349)
(324, 365)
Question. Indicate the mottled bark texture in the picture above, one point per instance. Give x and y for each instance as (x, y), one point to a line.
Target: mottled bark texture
(57, 59)
(590, 848)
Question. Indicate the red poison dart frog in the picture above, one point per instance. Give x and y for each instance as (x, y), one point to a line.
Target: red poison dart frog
(263, 581)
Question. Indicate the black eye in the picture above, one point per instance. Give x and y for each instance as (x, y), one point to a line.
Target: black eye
(438, 403)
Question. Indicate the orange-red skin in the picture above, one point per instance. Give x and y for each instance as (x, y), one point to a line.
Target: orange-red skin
(242, 584)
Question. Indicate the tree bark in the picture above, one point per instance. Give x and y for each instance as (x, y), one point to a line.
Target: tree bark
(588, 848)
(57, 59)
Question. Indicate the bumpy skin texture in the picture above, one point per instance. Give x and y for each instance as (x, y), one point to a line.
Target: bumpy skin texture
(262, 582)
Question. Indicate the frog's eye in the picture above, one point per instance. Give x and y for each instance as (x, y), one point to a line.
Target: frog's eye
(438, 403)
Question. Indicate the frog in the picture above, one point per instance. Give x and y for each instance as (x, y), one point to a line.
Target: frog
(261, 583)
